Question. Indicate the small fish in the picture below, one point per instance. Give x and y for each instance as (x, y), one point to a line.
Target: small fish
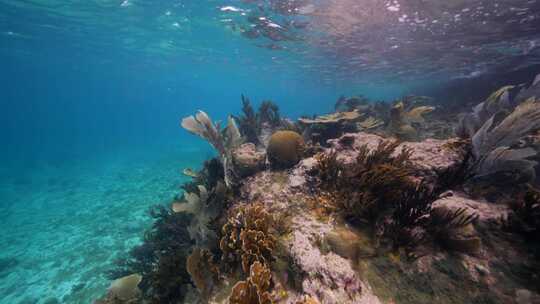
(189, 172)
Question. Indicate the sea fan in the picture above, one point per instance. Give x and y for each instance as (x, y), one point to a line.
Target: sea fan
(224, 142)
(494, 145)
(524, 120)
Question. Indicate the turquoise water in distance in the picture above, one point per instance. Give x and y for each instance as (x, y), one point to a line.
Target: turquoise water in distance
(92, 93)
(91, 139)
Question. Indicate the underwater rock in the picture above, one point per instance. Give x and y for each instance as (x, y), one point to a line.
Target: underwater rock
(426, 156)
(247, 160)
(486, 212)
(285, 149)
(345, 242)
(329, 278)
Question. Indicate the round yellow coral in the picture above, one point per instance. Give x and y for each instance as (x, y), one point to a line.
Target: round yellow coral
(285, 149)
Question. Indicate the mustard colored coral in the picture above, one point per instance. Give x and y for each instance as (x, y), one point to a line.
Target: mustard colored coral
(285, 149)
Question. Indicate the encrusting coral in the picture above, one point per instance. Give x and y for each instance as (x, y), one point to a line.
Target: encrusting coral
(285, 149)
(248, 237)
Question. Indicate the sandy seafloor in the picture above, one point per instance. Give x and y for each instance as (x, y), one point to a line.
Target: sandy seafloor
(64, 223)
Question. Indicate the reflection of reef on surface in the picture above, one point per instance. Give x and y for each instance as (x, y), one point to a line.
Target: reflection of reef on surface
(352, 214)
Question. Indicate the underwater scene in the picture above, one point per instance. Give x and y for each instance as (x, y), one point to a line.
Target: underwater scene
(269, 151)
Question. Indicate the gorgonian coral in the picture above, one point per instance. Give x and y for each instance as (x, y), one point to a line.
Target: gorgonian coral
(371, 184)
(411, 212)
(248, 237)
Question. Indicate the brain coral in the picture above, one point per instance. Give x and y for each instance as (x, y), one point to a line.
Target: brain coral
(285, 149)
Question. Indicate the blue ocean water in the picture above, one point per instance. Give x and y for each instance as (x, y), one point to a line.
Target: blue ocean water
(91, 97)
(91, 136)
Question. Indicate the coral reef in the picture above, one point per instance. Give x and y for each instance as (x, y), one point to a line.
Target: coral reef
(248, 237)
(209, 176)
(360, 218)
(285, 149)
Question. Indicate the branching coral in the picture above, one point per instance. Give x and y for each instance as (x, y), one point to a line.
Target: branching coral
(248, 237)
(330, 169)
(254, 290)
(269, 114)
(249, 122)
(223, 141)
(410, 213)
(257, 127)
(369, 185)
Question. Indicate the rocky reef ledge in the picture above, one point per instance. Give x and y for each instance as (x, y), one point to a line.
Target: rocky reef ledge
(370, 204)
